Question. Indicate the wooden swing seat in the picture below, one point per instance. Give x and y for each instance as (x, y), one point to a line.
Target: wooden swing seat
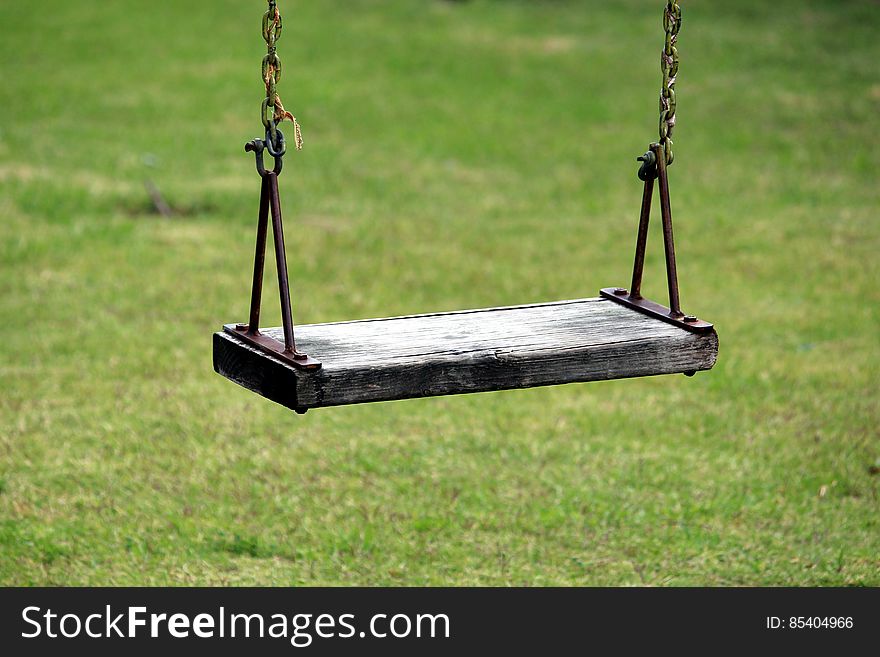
(619, 335)
(464, 352)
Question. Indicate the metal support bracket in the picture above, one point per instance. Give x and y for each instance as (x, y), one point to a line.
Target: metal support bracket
(648, 307)
(271, 346)
(270, 202)
(654, 167)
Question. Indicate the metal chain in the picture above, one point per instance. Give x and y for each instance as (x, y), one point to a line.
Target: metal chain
(669, 66)
(273, 111)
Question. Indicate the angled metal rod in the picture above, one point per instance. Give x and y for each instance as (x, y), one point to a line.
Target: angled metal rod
(281, 263)
(270, 203)
(259, 259)
(654, 166)
(668, 242)
(635, 289)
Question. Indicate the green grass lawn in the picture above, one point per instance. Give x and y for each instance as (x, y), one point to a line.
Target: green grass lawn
(457, 155)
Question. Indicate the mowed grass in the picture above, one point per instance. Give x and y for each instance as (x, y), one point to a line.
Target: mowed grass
(457, 155)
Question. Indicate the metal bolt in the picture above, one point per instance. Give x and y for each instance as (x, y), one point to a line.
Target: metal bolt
(620, 291)
(241, 327)
(690, 319)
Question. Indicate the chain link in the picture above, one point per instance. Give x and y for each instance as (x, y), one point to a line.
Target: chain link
(669, 67)
(273, 111)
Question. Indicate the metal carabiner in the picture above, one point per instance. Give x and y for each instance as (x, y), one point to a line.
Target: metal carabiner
(648, 170)
(257, 146)
(282, 143)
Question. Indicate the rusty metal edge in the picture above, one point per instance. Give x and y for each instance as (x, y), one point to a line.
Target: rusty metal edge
(653, 309)
(272, 347)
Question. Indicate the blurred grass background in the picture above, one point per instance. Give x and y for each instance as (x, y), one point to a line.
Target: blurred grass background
(457, 155)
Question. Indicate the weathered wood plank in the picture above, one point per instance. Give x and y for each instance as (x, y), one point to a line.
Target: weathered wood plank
(467, 351)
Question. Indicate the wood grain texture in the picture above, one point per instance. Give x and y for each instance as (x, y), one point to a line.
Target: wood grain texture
(466, 351)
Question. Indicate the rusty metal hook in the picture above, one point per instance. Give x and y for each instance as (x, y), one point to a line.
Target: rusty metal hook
(257, 146)
(648, 170)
